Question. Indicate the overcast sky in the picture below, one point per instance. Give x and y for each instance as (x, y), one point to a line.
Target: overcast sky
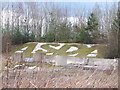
(75, 7)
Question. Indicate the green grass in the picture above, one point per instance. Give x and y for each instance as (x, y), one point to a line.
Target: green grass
(83, 50)
(101, 51)
(50, 50)
(30, 48)
(62, 51)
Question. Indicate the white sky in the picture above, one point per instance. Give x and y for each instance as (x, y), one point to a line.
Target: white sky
(59, 0)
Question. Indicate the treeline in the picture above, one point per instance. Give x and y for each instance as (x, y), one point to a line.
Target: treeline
(87, 33)
(48, 22)
(64, 32)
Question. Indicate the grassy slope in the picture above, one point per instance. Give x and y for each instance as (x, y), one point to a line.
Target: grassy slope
(30, 48)
(82, 49)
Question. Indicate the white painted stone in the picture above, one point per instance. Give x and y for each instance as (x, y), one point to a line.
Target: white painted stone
(71, 49)
(38, 47)
(17, 66)
(95, 51)
(92, 55)
(57, 47)
(49, 53)
(23, 49)
(89, 46)
(73, 55)
(32, 67)
(19, 52)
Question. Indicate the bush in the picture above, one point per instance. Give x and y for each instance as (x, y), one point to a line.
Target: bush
(49, 37)
(31, 37)
(20, 38)
(17, 37)
(28, 37)
(111, 51)
(82, 35)
(63, 33)
(113, 48)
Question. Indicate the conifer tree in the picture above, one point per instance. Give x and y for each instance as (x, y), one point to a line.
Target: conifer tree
(92, 28)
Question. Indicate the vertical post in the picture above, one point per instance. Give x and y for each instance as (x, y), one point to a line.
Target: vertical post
(119, 47)
(7, 48)
(86, 61)
(7, 82)
(1, 65)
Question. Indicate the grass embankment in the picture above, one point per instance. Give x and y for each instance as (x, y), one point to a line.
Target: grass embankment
(82, 51)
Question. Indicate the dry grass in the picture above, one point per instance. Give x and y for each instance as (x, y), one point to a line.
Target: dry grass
(55, 77)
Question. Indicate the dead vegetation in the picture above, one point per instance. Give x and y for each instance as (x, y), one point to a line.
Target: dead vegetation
(58, 77)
